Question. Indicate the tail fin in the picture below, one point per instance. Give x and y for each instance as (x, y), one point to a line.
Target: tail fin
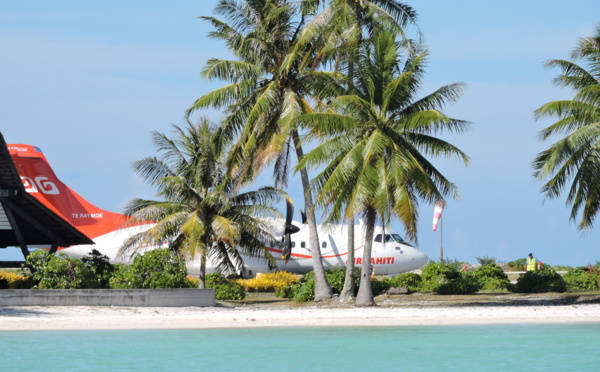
(40, 181)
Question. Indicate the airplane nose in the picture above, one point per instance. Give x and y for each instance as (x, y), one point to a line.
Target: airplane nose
(419, 258)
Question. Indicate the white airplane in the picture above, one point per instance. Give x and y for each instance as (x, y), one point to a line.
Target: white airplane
(390, 254)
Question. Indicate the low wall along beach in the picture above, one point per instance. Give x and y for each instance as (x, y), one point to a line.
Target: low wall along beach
(108, 297)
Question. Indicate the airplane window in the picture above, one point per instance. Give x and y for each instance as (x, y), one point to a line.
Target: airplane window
(389, 238)
(293, 244)
(324, 245)
(303, 244)
(398, 239)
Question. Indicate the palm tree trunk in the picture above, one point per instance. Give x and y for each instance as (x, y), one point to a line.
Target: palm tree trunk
(347, 294)
(202, 275)
(322, 288)
(365, 292)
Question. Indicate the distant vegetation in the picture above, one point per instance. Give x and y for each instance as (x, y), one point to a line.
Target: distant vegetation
(163, 268)
(517, 265)
(486, 260)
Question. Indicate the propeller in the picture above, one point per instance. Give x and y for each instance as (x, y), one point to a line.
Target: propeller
(289, 230)
(304, 220)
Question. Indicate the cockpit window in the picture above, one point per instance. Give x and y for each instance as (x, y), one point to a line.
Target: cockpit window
(389, 238)
(398, 239)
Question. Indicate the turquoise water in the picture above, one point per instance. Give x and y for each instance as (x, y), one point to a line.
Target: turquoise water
(435, 348)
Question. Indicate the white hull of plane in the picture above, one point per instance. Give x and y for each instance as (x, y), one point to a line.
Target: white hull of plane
(388, 258)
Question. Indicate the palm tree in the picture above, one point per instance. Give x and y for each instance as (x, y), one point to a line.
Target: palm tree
(345, 22)
(271, 80)
(201, 213)
(576, 157)
(375, 141)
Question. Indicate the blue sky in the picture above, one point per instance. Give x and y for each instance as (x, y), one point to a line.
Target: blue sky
(88, 81)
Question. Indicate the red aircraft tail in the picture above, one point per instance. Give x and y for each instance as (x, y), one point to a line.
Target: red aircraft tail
(40, 181)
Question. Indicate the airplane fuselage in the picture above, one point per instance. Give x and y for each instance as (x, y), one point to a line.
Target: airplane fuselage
(388, 256)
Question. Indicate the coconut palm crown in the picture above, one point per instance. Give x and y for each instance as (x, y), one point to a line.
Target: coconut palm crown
(381, 131)
(201, 213)
(576, 157)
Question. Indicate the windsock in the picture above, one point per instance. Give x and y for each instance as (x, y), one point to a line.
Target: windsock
(437, 213)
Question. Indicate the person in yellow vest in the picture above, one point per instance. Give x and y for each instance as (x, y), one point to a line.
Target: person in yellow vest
(531, 263)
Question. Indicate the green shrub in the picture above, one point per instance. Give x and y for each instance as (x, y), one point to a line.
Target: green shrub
(411, 280)
(158, 268)
(304, 289)
(582, 279)
(225, 289)
(543, 280)
(517, 265)
(287, 291)
(215, 279)
(445, 279)
(58, 271)
(380, 285)
(433, 270)
(301, 291)
(490, 277)
(100, 266)
(494, 284)
(123, 278)
(461, 285)
(337, 276)
(37, 259)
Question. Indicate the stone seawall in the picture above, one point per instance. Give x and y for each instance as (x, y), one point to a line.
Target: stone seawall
(108, 297)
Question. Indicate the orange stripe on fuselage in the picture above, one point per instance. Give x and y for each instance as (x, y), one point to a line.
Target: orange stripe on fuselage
(279, 251)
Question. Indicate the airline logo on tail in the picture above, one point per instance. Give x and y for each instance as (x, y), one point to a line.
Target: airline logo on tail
(43, 185)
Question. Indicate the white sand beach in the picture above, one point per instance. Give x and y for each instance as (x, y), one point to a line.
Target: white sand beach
(35, 318)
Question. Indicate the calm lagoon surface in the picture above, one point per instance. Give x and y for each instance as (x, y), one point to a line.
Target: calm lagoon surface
(569, 347)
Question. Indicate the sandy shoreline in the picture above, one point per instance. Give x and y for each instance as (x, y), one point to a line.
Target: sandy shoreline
(35, 318)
